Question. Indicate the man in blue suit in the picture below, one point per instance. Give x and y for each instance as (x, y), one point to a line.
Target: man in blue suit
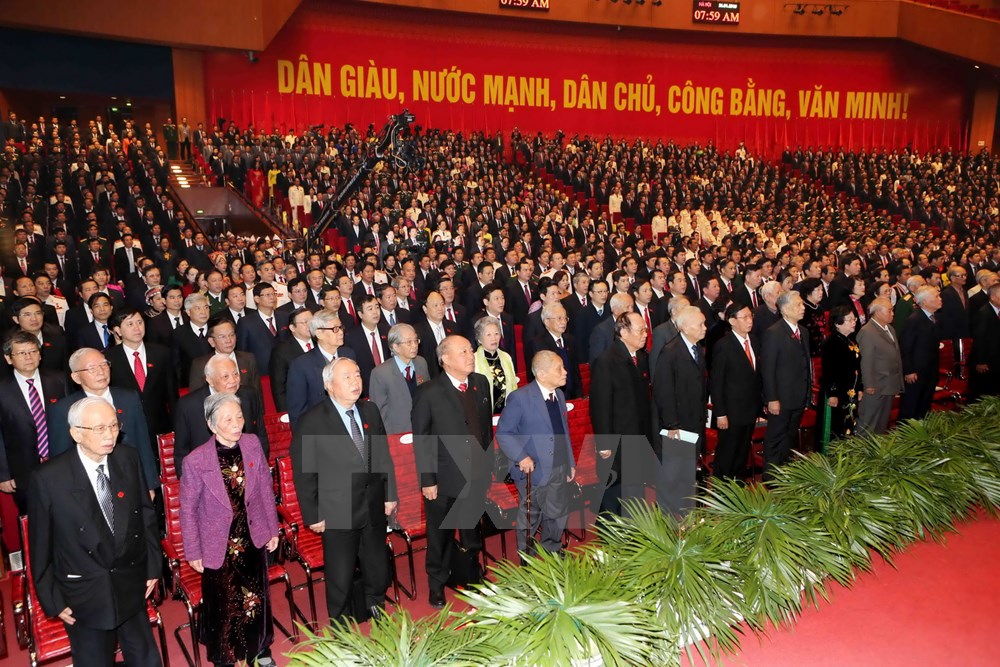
(534, 435)
(91, 371)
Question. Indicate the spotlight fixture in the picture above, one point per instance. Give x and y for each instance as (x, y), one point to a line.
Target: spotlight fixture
(818, 11)
(657, 3)
(835, 10)
(799, 9)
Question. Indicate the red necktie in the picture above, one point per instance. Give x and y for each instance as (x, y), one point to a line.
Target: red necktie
(583, 302)
(376, 353)
(649, 330)
(746, 348)
(140, 372)
(270, 326)
(795, 335)
(462, 387)
(24, 267)
(309, 347)
(451, 314)
(370, 292)
(635, 361)
(350, 310)
(408, 374)
(753, 298)
(527, 295)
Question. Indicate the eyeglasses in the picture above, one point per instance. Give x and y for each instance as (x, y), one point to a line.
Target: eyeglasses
(334, 329)
(25, 353)
(93, 368)
(103, 429)
(410, 341)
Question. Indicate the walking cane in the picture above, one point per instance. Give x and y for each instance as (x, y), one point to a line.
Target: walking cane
(529, 541)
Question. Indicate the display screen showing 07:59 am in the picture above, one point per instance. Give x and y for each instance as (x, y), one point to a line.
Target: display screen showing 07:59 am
(717, 12)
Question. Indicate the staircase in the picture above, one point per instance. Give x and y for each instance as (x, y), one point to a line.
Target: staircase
(183, 175)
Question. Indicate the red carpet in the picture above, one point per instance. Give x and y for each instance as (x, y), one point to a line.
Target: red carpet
(938, 608)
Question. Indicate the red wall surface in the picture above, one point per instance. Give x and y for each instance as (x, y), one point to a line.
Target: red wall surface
(359, 64)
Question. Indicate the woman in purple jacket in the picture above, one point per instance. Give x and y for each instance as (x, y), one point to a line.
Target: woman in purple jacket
(228, 519)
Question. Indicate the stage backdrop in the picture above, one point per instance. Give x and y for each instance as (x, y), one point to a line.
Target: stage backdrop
(335, 63)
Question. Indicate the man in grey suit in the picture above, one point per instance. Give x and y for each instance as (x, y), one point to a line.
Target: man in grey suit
(881, 368)
(604, 333)
(394, 381)
(667, 331)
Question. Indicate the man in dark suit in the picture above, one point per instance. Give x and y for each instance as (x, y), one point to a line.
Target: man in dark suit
(984, 362)
(680, 394)
(190, 340)
(786, 372)
(603, 334)
(843, 285)
(368, 342)
(452, 435)
(124, 259)
(590, 316)
(299, 342)
(736, 392)
(160, 328)
(259, 332)
(95, 551)
(548, 292)
(24, 438)
(953, 320)
(92, 373)
(222, 338)
(533, 433)
(520, 293)
(27, 314)
(305, 375)
(747, 293)
(620, 409)
(432, 330)
(144, 368)
(340, 454)
(918, 345)
(190, 428)
(555, 339)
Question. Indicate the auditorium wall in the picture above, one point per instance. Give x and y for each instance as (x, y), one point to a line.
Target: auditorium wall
(357, 64)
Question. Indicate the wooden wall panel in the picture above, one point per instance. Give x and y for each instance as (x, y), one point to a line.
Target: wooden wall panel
(189, 86)
(982, 134)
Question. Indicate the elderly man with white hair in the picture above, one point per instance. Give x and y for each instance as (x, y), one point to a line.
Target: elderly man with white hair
(346, 487)
(95, 552)
(786, 371)
(92, 372)
(918, 345)
(190, 428)
(881, 368)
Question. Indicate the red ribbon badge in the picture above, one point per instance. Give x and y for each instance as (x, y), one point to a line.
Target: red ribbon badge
(366, 425)
(120, 411)
(121, 494)
(149, 365)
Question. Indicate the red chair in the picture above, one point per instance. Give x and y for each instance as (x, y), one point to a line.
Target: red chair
(186, 582)
(585, 378)
(45, 637)
(519, 346)
(304, 546)
(279, 437)
(585, 453)
(410, 522)
(168, 468)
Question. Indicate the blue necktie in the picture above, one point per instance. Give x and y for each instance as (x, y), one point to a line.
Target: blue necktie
(106, 335)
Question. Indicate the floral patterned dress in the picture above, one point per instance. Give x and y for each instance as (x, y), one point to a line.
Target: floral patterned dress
(842, 379)
(235, 610)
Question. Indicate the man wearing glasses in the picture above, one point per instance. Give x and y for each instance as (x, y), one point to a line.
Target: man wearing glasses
(90, 370)
(305, 374)
(94, 550)
(24, 440)
(394, 382)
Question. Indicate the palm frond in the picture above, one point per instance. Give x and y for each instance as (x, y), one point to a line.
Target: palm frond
(397, 640)
(695, 582)
(556, 609)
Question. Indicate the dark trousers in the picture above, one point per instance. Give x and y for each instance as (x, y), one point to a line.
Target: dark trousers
(342, 549)
(441, 541)
(96, 648)
(186, 150)
(549, 511)
(916, 400)
(782, 434)
(732, 450)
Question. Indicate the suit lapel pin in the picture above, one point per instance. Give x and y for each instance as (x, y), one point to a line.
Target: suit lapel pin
(148, 365)
(120, 411)
(121, 494)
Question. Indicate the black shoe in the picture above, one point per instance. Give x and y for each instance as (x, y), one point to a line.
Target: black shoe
(436, 599)
(375, 612)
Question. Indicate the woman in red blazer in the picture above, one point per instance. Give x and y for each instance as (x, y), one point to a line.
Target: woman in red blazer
(228, 519)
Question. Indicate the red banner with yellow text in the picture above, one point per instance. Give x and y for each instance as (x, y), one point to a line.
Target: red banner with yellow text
(359, 63)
